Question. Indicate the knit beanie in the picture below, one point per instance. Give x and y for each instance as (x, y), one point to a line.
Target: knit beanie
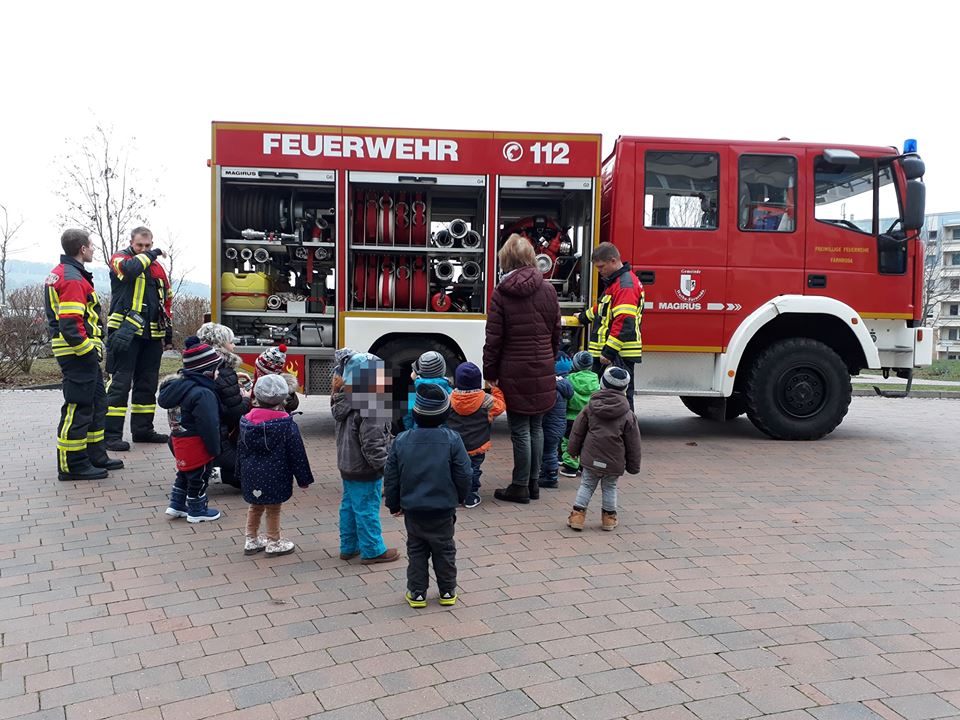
(431, 406)
(272, 361)
(271, 390)
(583, 360)
(430, 365)
(358, 370)
(564, 364)
(215, 334)
(615, 378)
(198, 356)
(467, 376)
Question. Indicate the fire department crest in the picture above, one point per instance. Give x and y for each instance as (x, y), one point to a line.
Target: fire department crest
(52, 279)
(690, 289)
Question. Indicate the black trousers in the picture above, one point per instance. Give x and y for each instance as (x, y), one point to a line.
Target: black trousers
(429, 536)
(194, 482)
(138, 367)
(628, 364)
(83, 410)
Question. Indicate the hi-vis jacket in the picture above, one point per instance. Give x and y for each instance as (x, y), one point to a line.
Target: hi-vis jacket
(73, 310)
(615, 320)
(138, 282)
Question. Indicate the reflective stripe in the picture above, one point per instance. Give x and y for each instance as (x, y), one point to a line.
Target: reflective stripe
(72, 445)
(142, 409)
(72, 308)
(139, 287)
(96, 436)
(144, 260)
(614, 343)
(624, 310)
(117, 411)
(54, 301)
(62, 437)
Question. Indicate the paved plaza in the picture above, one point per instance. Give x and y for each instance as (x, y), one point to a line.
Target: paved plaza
(748, 578)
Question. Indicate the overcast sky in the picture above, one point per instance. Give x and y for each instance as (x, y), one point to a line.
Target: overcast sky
(843, 72)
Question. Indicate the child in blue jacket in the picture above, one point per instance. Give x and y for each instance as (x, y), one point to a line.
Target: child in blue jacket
(430, 368)
(555, 424)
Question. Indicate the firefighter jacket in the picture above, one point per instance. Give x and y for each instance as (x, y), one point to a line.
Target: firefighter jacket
(73, 310)
(615, 320)
(139, 283)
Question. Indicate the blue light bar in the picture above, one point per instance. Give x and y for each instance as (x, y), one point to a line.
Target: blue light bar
(909, 146)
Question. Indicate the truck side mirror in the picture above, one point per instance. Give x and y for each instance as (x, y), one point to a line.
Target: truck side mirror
(842, 158)
(915, 205)
(913, 167)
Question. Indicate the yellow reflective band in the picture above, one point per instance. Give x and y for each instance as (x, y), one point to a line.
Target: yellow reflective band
(72, 446)
(54, 300)
(614, 343)
(624, 310)
(63, 436)
(144, 260)
(116, 412)
(95, 436)
(84, 347)
(134, 322)
(139, 286)
(143, 409)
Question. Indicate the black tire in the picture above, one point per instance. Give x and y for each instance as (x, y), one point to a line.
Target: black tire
(797, 389)
(709, 407)
(399, 355)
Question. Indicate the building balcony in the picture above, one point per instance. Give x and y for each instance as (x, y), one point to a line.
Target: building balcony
(948, 321)
(951, 271)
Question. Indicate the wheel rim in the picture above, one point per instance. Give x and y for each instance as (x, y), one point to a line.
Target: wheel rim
(801, 391)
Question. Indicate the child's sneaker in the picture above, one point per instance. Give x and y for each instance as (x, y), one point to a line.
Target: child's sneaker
(417, 599)
(608, 520)
(568, 471)
(253, 545)
(448, 598)
(473, 499)
(280, 547)
(577, 519)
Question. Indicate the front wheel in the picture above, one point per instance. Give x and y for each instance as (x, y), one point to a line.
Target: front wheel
(797, 389)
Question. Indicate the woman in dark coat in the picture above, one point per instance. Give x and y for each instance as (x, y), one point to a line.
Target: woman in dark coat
(523, 338)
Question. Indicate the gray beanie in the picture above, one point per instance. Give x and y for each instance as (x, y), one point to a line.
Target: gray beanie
(431, 365)
(215, 334)
(271, 390)
(615, 378)
(583, 360)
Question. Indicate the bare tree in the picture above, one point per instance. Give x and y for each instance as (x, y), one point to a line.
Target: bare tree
(936, 289)
(23, 331)
(101, 190)
(8, 229)
(173, 255)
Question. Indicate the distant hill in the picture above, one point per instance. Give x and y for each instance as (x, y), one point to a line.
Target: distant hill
(22, 272)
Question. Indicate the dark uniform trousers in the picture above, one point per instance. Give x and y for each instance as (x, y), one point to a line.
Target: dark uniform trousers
(431, 536)
(628, 364)
(139, 367)
(80, 432)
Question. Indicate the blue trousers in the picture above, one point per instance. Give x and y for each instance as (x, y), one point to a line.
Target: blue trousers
(551, 443)
(360, 529)
(476, 461)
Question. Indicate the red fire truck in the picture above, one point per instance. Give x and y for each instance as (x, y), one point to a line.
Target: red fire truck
(769, 280)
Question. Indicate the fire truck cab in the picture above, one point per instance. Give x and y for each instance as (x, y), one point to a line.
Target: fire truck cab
(768, 278)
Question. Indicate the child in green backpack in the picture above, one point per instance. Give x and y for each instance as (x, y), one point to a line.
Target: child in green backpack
(585, 383)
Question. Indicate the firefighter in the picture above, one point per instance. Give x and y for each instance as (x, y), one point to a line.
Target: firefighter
(73, 319)
(614, 322)
(139, 330)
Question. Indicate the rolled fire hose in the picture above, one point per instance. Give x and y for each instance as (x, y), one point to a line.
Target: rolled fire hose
(274, 302)
(386, 286)
(443, 239)
(440, 302)
(402, 292)
(301, 253)
(444, 270)
(261, 255)
(321, 253)
(458, 229)
(470, 271)
(246, 254)
(472, 239)
(230, 253)
(544, 263)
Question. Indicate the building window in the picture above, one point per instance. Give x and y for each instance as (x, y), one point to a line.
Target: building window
(955, 259)
(953, 357)
(932, 235)
(955, 283)
(954, 309)
(681, 190)
(953, 334)
(955, 233)
(767, 197)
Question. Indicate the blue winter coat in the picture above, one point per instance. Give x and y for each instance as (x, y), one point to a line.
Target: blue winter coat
(270, 454)
(196, 395)
(555, 421)
(428, 471)
(408, 423)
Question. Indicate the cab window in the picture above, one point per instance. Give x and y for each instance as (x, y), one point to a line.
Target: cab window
(768, 198)
(844, 195)
(681, 190)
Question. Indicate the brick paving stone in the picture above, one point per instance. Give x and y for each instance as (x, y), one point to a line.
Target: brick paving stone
(655, 696)
(264, 692)
(558, 692)
(921, 707)
(730, 707)
(601, 707)
(470, 688)
(500, 706)
(845, 711)
(360, 711)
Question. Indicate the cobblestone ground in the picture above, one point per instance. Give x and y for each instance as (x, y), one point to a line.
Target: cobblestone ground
(748, 578)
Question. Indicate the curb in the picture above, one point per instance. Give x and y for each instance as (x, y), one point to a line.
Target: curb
(937, 394)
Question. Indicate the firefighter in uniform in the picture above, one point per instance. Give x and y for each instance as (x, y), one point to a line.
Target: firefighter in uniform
(139, 329)
(614, 322)
(73, 319)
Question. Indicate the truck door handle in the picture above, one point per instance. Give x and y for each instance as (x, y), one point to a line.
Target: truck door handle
(272, 173)
(816, 281)
(647, 277)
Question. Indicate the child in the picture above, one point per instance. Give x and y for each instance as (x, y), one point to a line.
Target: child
(585, 383)
(555, 423)
(234, 400)
(273, 361)
(429, 368)
(607, 440)
(197, 441)
(427, 476)
(362, 443)
(270, 454)
(473, 412)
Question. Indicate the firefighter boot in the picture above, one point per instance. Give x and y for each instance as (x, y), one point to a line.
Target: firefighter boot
(81, 470)
(151, 437)
(99, 458)
(117, 445)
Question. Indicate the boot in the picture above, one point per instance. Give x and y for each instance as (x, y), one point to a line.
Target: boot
(178, 503)
(533, 489)
(117, 445)
(197, 510)
(608, 520)
(577, 518)
(99, 458)
(513, 493)
(388, 555)
(82, 471)
(549, 481)
(151, 437)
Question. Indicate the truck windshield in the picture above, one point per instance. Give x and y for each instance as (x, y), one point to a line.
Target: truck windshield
(844, 195)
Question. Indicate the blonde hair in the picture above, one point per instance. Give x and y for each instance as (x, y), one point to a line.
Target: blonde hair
(517, 252)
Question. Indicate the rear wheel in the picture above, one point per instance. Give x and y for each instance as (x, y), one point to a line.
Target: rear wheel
(713, 408)
(400, 353)
(797, 389)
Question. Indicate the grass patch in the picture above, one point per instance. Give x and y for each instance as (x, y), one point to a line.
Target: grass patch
(901, 386)
(46, 371)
